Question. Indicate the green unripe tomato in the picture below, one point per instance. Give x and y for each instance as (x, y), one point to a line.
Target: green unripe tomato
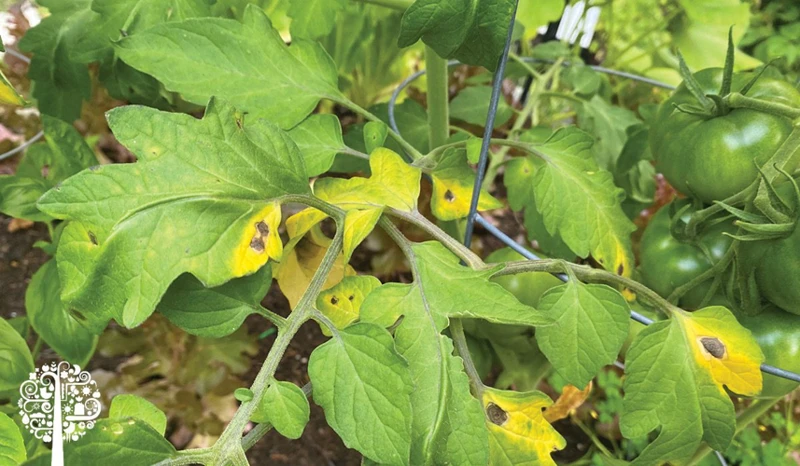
(712, 158)
(667, 263)
(778, 334)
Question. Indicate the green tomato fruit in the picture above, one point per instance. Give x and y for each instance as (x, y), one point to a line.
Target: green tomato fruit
(778, 334)
(667, 263)
(713, 158)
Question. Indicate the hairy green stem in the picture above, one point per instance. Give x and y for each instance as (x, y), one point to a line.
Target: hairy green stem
(460, 342)
(749, 415)
(275, 319)
(463, 252)
(438, 98)
(412, 151)
(737, 100)
(37, 346)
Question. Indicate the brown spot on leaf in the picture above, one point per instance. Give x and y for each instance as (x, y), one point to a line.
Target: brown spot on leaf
(257, 244)
(262, 228)
(93, 238)
(620, 269)
(449, 196)
(496, 414)
(334, 300)
(351, 297)
(714, 346)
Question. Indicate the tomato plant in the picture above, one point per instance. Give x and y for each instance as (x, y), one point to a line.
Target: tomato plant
(269, 165)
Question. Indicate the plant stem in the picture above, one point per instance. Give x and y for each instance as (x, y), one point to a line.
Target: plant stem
(438, 99)
(737, 100)
(412, 151)
(229, 444)
(587, 274)
(36, 348)
(744, 419)
(455, 246)
(460, 342)
(276, 320)
(401, 5)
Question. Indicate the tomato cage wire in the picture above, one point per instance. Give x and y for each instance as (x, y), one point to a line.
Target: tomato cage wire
(474, 217)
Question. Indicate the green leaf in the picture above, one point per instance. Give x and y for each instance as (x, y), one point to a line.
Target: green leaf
(12, 447)
(341, 303)
(243, 394)
(214, 312)
(375, 133)
(52, 321)
(312, 19)
(675, 373)
(319, 138)
(285, 406)
(125, 406)
(587, 316)
(16, 362)
(472, 106)
(447, 420)
(179, 209)
(246, 63)
(472, 31)
(119, 441)
(59, 84)
(536, 13)
(608, 124)
(63, 154)
(364, 386)
(578, 200)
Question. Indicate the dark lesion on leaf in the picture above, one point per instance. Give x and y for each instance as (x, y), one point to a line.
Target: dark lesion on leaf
(257, 244)
(92, 238)
(496, 414)
(449, 196)
(713, 346)
(334, 300)
(262, 228)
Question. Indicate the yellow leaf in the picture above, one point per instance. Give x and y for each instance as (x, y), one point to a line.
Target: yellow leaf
(297, 268)
(342, 303)
(9, 95)
(393, 183)
(571, 399)
(357, 225)
(301, 223)
(453, 181)
(518, 432)
(723, 348)
(259, 242)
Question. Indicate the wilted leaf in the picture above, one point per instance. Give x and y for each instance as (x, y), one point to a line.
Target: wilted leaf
(571, 398)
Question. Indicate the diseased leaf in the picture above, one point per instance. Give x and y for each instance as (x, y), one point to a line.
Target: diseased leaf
(471, 105)
(15, 359)
(518, 431)
(52, 321)
(364, 387)
(246, 63)
(63, 154)
(12, 447)
(59, 85)
(587, 316)
(127, 406)
(341, 303)
(579, 201)
(358, 224)
(453, 181)
(571, 398)
(8, 94)
(447, 420)
(214, 312)
(119, 441)
(472, 31)
(675, 373)
(312, 19)
(319, 138)
(285, 406)
(142, 225)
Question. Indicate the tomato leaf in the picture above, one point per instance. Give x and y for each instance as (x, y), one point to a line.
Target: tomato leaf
(125, 406)
(675, 373)
(128, 441)
(472, 31)
(341, 303)
(12, 446)
(587, 316)
(312, 19)
(285, 406)
(471, 105)
(518, 431)
(52, 321)
(144, 224)
(319, 138)
(447, 420)
(453, 182)
(364, 387)
(214, 312)
(246, 63)
(15, 359)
